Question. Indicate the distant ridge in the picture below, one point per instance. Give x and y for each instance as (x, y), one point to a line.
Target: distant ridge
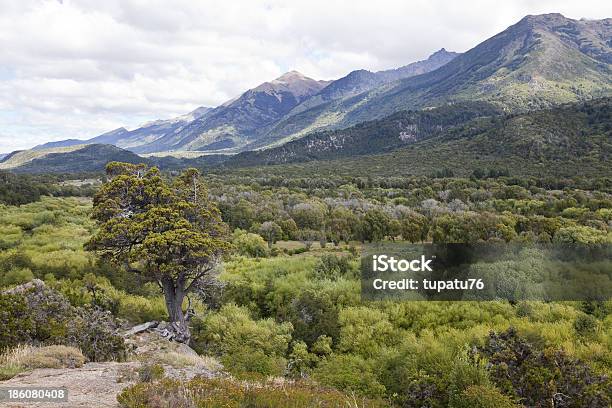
(539, 62)
(536, 63)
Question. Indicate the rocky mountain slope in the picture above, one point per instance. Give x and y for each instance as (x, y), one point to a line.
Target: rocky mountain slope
(538, 62)
(246, 119)
(383, 135)
(236, 122)
(363, 80)
(565, 141)
(147, 133)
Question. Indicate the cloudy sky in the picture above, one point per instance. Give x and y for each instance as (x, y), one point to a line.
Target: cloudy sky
(75, 69)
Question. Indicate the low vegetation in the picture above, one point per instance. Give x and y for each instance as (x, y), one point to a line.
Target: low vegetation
(24, 357)
(286, 302)
(221, 393)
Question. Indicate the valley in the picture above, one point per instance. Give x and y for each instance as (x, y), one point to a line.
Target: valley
(219, 258)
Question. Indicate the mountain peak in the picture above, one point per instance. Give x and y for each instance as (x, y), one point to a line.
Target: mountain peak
(442, 53)
(553, 19)
(291, 76)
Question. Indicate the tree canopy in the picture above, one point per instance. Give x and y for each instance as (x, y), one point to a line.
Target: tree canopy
(168, 231)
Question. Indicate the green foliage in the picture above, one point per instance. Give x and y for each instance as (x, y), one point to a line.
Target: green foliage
(582, 235)
(332, 267)
(169, 232)
(349, 373)
(364, 331)
(232, 328)
(249, 244)
(203, 393)
(15, 319)
(36, 314)
(150, 372)
(299, 313)
(532, 375)
(482, 396)
(253, 364)
(19, 189)
(99, 292)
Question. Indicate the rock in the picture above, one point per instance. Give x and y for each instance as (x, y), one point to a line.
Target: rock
(93, 385)
(33, 284)
(140, 328)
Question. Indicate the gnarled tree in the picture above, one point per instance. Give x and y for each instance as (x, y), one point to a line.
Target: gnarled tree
(167, 231)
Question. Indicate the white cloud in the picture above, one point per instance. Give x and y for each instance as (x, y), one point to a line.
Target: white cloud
(74, 69)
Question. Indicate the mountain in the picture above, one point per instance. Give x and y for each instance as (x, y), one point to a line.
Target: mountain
(383, 135)
(92, 158)
(67, 159)
(234, 123)
(245, 119)
(565, 141)
(124, 138)
(538, 62)
(113, 137)
(362, 80)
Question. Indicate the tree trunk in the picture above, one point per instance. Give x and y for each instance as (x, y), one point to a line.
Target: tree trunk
(174, 295)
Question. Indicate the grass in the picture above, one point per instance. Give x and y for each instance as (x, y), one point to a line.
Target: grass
(24, 357)
(205, 393)
(181, 360)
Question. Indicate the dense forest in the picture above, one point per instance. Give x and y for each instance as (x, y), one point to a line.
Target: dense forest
(286, 300)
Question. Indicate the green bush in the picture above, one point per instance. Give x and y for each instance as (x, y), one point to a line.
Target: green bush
(37, 314)
(482, 396)
(232, 328)
(150, 372)
(586, 325)
(531, 375)
(16, 277)
(332, 267)
(212, 393)
(249, 244)
(253, 364)
(16, 321)
(349, 373)
(365, 331)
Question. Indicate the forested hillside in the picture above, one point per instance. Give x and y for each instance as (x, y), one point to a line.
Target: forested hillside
(566, 141)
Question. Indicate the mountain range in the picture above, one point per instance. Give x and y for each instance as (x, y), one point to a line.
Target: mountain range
(240, 122)
(534, 65)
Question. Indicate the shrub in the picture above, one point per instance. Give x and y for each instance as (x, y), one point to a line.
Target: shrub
(249, 244)
(482, 396)
(349, 372)
(313, 314)
(15, 319)
(16, 276)
(253, 364)
(24, 357)
(208, 393)
(586, 325)
(36, 314)
(232, 330)
(332, 267)
(531, 375)
(93, 330)
(150, 372)
(364, 331)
